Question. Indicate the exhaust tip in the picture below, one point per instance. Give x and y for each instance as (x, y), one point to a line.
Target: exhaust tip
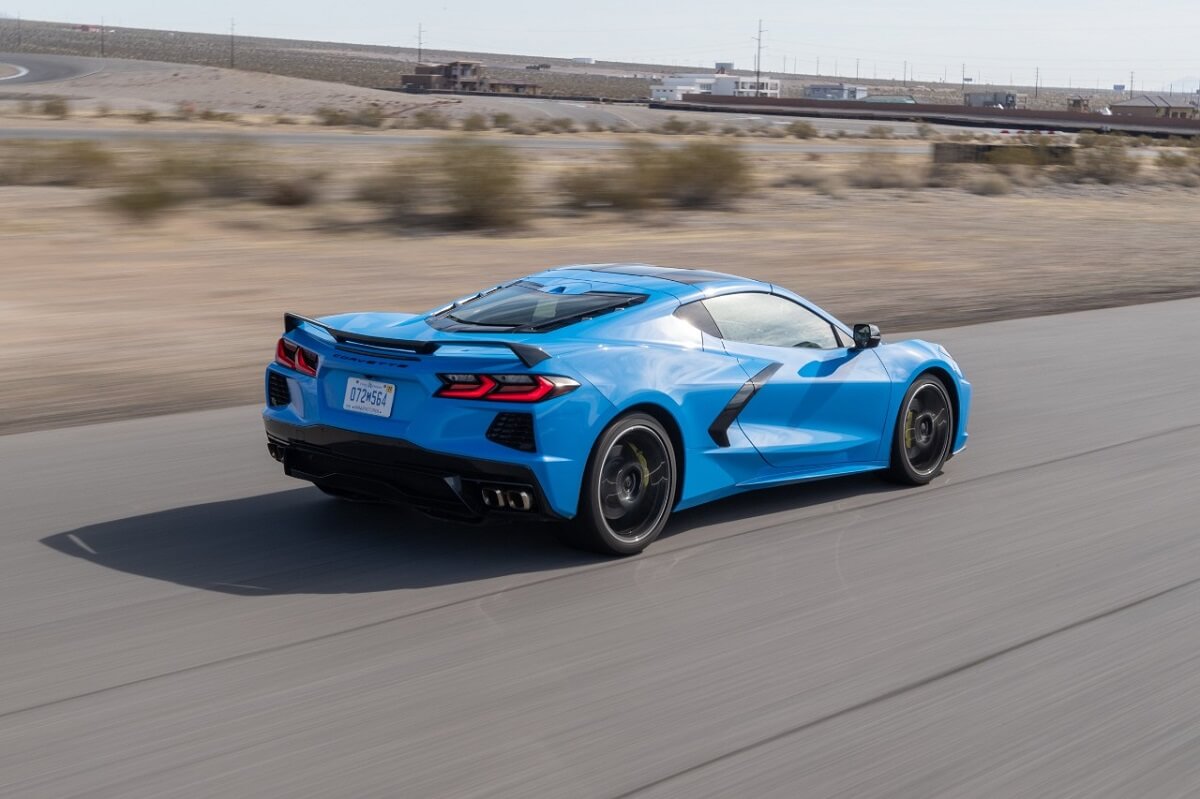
(518, 500)
(493, 497)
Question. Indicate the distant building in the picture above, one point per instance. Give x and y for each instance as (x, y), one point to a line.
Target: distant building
(462, 76)
(1079, 104)
(904, 99)
(719, 83)
(1009, 100)
(1156, 106)
(583, 60)
(834, 91)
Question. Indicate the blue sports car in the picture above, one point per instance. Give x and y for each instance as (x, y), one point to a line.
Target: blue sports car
(603, 397)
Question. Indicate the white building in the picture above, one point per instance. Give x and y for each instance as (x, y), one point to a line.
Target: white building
(719, 83)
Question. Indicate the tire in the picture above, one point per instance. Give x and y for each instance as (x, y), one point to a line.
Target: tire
(923, 434)
(628, 488)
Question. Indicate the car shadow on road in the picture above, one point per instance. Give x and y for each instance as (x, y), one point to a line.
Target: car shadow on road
(302, 542)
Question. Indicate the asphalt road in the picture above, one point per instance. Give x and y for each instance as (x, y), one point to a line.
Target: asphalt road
(178, 619)
(46, 68)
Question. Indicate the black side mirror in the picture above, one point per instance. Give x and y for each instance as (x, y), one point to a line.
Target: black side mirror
(866, 336)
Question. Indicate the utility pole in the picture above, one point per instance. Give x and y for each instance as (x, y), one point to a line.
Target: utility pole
(232, 40)
(905, 73)
(420, 42)
(102, 32)
(856, 69)
(18, 31)
(758, 62)
(1037, 79)
(1131, 84)
(818, 66)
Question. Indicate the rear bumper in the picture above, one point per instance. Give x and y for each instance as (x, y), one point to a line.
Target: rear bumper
(394, 470)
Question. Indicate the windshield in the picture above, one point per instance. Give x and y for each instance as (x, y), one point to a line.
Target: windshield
(525, 307)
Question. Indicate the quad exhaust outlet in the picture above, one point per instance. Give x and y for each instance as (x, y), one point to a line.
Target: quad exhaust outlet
(510, 498)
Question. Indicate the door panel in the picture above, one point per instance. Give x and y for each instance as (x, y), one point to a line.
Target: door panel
(821, 408)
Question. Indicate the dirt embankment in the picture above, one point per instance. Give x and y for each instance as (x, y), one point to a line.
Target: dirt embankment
(106, 319)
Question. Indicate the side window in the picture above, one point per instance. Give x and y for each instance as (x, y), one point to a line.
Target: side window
(770, 320)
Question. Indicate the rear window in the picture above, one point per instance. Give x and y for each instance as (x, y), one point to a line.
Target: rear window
(525, 307)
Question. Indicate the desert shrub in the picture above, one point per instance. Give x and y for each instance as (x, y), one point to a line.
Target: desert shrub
(1108, 164)
(802, 130)
(520, 129)
(599, 188)
(56, 107)
(185, 110)
(145, 116)
(1171, 160)
(429, 118)
(820, 181)
(143, 197)
(593, 126)
(290, 192)
(672, 126)
(945, 176)
(49, 163)
(24, 106)
(227, 170)
(502, 119)
(706, 174)
(989, 185)
(563, 125)
(103, 110)
(699, 127)
(281, 119)
(462, 183)
(692, 175)
(730, 130)
(369, 116)
(331, 117)
(926, 131)
(483, 184)
(475, 122)
(881, 170)
(880, 132)
(209, 115)
(773, 132)
(837, 134)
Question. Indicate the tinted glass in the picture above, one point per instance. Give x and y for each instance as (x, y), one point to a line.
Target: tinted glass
(523, 306)
(770, 320)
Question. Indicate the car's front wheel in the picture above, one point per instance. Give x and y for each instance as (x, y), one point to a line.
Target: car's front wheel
(923, 434)
(628, 488)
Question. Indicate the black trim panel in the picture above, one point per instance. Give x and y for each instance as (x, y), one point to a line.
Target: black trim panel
(395, 470)
(719, 429)
(527, 353)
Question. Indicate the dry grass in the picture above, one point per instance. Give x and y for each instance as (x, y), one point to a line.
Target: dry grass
(49, 163)
(698, 174)
(879, 169)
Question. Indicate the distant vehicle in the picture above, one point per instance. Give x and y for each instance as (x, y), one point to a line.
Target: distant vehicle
(604, 397)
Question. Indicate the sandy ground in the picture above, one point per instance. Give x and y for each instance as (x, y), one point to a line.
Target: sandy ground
(162, 87)
(105, 318)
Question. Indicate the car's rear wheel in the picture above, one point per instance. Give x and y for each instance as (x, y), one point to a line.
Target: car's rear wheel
(923, 434)
(628, 488)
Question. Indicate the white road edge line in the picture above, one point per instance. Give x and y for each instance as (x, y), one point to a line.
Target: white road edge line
(79, 543)
(21, 72)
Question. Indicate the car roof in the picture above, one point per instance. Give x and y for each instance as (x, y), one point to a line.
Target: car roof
(683, 284)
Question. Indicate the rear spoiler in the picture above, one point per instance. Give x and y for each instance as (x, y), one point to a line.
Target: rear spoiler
(527, 353)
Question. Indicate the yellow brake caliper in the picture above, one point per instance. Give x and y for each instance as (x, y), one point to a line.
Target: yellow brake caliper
(645, 466)
(908, 430)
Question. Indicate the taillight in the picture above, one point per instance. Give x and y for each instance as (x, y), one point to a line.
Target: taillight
(505, 388)
(296, 357)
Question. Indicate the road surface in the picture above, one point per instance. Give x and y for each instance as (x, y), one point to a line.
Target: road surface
(46, 68)
(178, 619)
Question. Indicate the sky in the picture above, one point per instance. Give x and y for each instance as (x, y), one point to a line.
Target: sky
(1079, 43)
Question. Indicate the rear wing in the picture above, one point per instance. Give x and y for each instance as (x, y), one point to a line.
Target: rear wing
(527, 353)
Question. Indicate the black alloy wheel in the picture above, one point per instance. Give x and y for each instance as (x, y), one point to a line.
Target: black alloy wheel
(628, 488)
(924, 432)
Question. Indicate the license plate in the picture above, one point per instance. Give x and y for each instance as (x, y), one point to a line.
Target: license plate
(368, 396)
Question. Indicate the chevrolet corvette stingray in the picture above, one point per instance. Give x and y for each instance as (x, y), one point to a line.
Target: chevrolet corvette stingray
(603, 397)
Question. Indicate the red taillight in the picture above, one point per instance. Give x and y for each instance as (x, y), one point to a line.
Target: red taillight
(465, 386)
(505, 388)
(296, 357)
